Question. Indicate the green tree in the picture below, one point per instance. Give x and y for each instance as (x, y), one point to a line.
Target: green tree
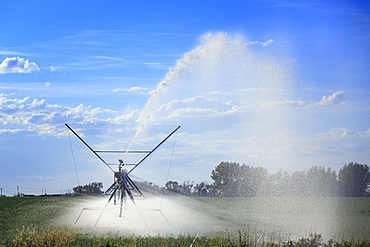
(251, 180)
(316, 181)
(354, 179)
(233, 179)
(173, 186)
(276, 184)
(203, 189)
(187, 188)
(92, 189)
(225, 177)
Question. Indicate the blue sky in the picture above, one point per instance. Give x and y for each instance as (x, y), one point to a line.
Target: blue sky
(278, 84)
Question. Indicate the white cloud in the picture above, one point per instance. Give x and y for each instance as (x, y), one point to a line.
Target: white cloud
(17, 65)
(335, 99)
(12, 130)
(141, 90)
(38, 116)
(343, 132)
(340, 145)
(198, 113)
(266, 43)
(131, 116)
(367, 133)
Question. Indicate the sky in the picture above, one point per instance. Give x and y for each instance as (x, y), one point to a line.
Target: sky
(277, 84)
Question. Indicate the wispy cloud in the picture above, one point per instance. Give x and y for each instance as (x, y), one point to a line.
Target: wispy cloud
(40, 178)
(334, 99)
(266, 43)
(343, 132)
(108, 58)
(12, 130)
(366, 133)
(82, 38)
(338, 142)
(12, 53)
(92, 63)
(52, 68)
(17, 65)
(141, 90)
(199, 114)
(161, 66)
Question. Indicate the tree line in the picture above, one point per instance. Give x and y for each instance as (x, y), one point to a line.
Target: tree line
(231, 179)
(191, 189)
(91, 189)
(234, 179)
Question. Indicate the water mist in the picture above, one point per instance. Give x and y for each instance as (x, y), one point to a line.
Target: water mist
(223, 93)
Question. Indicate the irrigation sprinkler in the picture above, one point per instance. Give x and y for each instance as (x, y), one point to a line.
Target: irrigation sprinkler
(123, 186)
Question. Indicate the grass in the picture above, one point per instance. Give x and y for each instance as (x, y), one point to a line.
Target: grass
(32, 236)
(29, 222)
(61, 236)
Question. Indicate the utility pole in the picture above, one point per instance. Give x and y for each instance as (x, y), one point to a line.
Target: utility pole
(1, 191)
(18, 191)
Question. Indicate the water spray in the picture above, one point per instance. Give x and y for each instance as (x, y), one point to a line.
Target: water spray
(123, 185)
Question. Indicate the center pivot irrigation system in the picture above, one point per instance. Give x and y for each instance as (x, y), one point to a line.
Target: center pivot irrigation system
(123, 186)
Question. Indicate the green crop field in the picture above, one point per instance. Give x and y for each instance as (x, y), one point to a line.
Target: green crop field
(221, 220)
(295, 216)
(16, 212)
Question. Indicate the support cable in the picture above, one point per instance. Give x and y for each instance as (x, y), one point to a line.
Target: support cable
(169, 168)
(73, 157)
